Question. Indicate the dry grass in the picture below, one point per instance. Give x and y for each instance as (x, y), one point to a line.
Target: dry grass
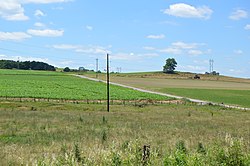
(29, 130)
(157, 82)
(227, 90)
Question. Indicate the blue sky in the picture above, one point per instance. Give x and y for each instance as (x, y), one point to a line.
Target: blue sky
(139, 35)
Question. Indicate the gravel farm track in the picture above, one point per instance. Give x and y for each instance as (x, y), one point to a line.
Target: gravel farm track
(201, 102)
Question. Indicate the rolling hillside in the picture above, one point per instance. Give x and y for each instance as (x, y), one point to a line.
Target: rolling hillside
(220, 89)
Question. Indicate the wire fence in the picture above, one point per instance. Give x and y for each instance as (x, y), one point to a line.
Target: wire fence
(139, 103)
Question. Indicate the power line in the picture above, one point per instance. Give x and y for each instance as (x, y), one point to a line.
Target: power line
(211, 65)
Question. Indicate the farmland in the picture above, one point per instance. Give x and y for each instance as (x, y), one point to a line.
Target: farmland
(56, 85)
(221, 89)
(61, 133)
(72, 134)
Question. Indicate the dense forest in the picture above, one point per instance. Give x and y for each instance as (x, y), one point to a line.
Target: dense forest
(26, 65)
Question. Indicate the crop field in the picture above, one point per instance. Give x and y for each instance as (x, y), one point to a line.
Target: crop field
(57, 133)
(234, 92)
(56, 85)
(81, 134)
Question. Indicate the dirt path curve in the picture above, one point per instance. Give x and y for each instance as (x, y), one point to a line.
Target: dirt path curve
(202, 102)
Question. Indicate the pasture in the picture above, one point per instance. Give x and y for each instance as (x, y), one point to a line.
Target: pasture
(222, 90)
(75, 134)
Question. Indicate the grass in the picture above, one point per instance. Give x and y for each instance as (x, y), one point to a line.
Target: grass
(56, 132)
(235, 97)
(54, 85)
(227, 90)
(28, 72)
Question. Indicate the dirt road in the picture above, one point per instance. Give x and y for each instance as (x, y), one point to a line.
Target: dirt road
(201, 102)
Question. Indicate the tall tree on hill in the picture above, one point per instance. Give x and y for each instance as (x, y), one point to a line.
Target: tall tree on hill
(170, 65)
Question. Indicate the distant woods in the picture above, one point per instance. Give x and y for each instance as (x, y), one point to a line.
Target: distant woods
(26, 65)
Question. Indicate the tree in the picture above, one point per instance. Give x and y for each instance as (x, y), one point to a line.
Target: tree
(66, 69)
(170, 65)
(27, 65)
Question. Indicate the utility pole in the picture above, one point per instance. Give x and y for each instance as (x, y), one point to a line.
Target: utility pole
(212, 65)
(18, 63)
(108, 82)
(97, 68)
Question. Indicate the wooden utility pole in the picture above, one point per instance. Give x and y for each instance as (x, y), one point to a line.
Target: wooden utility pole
(18, 63)
(108, 82)
(97, 68)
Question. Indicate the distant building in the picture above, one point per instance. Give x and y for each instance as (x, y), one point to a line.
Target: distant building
(81, 69)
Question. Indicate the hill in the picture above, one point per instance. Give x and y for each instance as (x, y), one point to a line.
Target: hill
(219, 89)
(182, 75)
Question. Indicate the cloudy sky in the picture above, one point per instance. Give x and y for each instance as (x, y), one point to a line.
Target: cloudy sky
(139, 35)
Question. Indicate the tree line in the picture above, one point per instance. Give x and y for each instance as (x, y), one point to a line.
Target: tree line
(26, 65)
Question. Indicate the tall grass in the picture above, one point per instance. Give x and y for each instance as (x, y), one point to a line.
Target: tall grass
(76, 134)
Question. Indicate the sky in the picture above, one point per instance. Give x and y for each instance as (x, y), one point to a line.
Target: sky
(139, 35)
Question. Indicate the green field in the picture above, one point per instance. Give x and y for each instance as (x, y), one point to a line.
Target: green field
(77, 134)
(57, 133)
(227, 90)
(233, 97)
(56, 85)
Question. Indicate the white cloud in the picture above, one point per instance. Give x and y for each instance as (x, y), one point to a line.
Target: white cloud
(132, 56)
(123, 56)
(39, 24)
(188, 11)
(239, 52)
(39, 13)
(187, 48)
(183, 45)
(14, 36)
(46, 32)
(88, 27)
(66, 46)
(24, 58)
(161, 36)
(148, 55)
(238, 14)
(83, 49)
(12, 10)
(44, 1)
(247, 27)
(195, 52)
(171, 50)
(2, 56)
